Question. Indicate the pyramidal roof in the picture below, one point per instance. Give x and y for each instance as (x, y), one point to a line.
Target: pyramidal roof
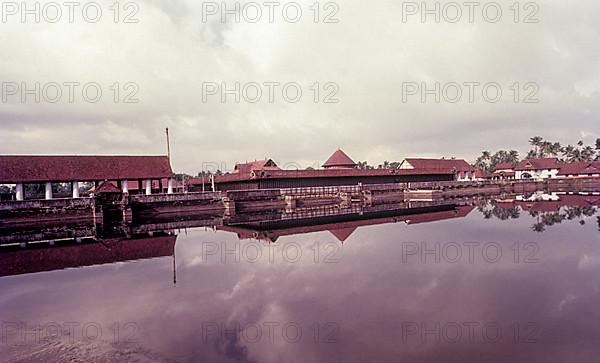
(107, 187)
(342, 234)
(339, 158)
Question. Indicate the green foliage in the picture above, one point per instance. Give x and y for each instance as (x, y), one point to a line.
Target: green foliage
(488, 162)
(568, 153)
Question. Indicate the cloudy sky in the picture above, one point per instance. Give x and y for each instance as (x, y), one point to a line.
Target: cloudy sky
(365, 52)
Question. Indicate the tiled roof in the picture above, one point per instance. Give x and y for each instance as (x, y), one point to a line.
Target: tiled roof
(539, 164)
(504, 166)
(504, 173)
(339, 159)
(106, 187)
(37, 168)
(585, 167)
(326, 173)
(482, 174)
(266, 164)
(448, 164)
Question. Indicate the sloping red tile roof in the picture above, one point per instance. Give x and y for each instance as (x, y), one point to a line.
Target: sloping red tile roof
(539, 164)
(106, 187)
(339, 159)
(326, 173)
(504, 166)
(447, 164)
(38, 168)
(584, 167)
(482, 174)
(504, 173)
(266, 164)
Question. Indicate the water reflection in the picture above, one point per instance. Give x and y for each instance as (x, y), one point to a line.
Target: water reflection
(546, 209)
(365, 300)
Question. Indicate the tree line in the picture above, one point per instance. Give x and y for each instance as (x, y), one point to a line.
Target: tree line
(540, 148)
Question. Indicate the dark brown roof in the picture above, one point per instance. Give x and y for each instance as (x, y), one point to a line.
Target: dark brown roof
(539, 164)
(482, 174)
(266, 164)
(326, 173)
(442, 164)
(339, 159)
(504, 173)
(37, 168)
(585, 167)
(106, 187)
(504, 166)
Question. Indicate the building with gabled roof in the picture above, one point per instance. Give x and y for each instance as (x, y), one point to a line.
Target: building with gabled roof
(504, 171)
(266, 164)
(463, 170)
(541, 168)
(580, 169)
(338, 170)
(73, 169)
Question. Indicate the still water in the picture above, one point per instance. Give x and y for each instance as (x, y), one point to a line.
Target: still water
(500, 281)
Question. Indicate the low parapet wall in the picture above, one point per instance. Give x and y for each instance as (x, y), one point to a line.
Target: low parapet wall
(41, 204)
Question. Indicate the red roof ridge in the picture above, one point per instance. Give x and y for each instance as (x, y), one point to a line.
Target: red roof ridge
(339, 159)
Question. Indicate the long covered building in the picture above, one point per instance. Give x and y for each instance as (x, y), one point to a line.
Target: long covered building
(140, 173)
(338, 170)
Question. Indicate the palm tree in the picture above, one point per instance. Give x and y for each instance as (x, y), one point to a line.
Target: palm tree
(513, 157)
(587, 153)
(536, 141)
(555, 148)
(482, 161)
(532, 154)
(567, 152)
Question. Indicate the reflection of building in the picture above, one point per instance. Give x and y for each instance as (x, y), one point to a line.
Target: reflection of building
(537, 168)
(70, 255)
(550, 203)
(342, 226)
(464, 171)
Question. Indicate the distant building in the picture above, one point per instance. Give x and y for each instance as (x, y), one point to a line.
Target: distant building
(580, 169)
(504, 171)
(482, 175)
(338, 170)
(49, 170)
(544, 168)
(339, 160)
(463, 170)
(267, 164)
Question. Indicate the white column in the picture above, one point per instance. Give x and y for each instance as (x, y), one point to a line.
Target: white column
(19, 191)
(75, 187)
(48, 191)
(148, 186)
(170, 186)
(125, 186)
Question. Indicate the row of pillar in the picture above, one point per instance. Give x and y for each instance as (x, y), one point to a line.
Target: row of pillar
(20, 191)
